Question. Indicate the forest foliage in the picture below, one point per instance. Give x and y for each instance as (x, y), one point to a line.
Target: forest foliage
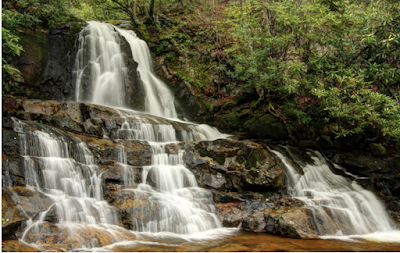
(311, 62)
(336, 61)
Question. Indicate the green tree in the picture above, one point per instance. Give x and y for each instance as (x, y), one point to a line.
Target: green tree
(15, 17)
(321, 61)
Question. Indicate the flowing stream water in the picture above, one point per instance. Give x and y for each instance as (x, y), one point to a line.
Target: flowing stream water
(179, 207)
(341, 209)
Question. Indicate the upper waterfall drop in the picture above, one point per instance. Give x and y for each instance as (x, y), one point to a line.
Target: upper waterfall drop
(159, 99)
(100, 59)
(100, 65)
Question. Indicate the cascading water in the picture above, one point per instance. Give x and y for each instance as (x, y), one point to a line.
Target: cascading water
(340, 207)
(178, 204)
(62, 168)
(100, 65)
(159, 99)
(100, 62)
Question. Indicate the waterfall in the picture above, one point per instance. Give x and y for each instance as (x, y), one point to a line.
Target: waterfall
(167, 199)
(100, 65)
(62, 167)
(159, 99)
(100, 62)
(178, 205)
(340, 207)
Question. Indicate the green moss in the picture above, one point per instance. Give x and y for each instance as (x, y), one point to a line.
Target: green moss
(74, 125)
(378, 149)
(229, 104)
(254, 156)
(240, 159)
(220, 160)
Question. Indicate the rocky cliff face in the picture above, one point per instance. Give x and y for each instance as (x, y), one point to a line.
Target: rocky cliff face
(47, 67)
(240, 174)
(47, 63)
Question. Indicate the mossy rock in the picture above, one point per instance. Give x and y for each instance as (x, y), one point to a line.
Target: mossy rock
(378, 149)
(269, 127)
(254, 156)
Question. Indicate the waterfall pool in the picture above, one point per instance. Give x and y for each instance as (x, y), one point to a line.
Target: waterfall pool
(243, 241)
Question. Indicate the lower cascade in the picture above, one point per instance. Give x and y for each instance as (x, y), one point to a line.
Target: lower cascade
(62, 168)
(164, 196)
(178, 205)
(340, 208)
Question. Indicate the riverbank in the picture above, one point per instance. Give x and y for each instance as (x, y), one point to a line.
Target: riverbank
(244, 241)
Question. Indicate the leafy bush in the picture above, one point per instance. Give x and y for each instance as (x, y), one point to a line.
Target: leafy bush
(322, 61)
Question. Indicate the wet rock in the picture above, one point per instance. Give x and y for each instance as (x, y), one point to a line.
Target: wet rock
(372, 173)
(281, 216)
(34, 106)
(118, 173)
(297, 224)
(269, 127)
(255, 222)
(231, 214)
(264, 178)
(213, 181)
(90, 119)
(377, 149)
(11, 104)
(18, 246)
(20, 204)
(138, 153)
(226, 197)
(196, 161)
(69, 236)
(92, 128)
(13, 173)
(234, 166)
(9, 142)
(218, 150)
(134, 209)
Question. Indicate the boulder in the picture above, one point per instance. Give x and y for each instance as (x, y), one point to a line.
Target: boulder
(67, 237)
(134, 209)
(295, 223)
(269, 127)
(378, 149)
(19, 204)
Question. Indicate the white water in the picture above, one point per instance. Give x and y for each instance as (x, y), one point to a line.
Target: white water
(170, 190)
(179, 205)
(159, 99)
(99, 57)
(63, 168)
(176, 206)
(342, 209)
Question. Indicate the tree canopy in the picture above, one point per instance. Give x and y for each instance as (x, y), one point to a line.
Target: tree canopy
(310, 62)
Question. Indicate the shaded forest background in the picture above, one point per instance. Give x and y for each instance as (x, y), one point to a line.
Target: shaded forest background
(314, 64)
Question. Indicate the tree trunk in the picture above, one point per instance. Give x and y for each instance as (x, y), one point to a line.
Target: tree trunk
(151, 11)
(134, 16)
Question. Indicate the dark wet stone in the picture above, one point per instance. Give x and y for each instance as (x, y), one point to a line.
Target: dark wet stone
(20, 204)
(269, 127)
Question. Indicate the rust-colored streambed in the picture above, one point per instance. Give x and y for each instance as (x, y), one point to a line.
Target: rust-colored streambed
(244, 241)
